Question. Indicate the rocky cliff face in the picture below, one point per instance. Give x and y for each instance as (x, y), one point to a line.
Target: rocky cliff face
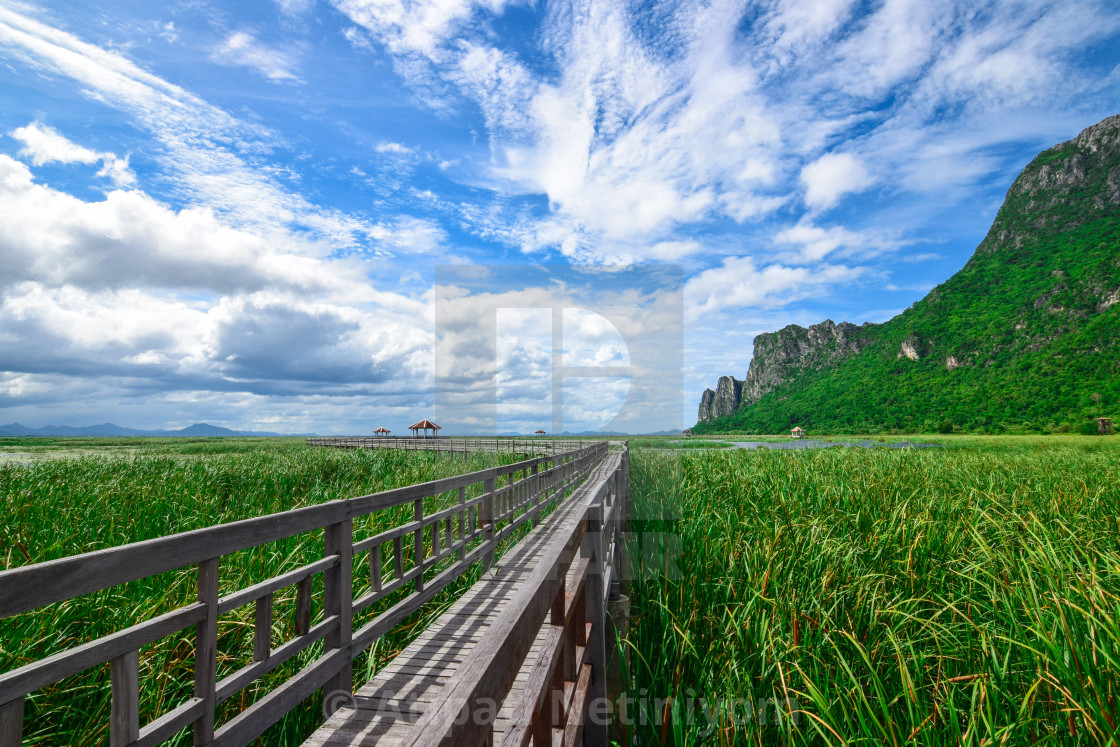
(779, 357)
(723, 401)
(1027, 332)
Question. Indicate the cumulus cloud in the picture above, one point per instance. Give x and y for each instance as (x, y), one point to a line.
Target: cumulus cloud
(44, 145)
(177, 301)
(131, 240)
(740, 282)
(832, 176)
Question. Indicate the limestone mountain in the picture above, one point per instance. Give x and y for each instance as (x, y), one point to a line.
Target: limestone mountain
(1025, 336)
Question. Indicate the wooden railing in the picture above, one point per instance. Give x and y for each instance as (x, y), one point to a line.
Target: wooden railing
(485, 512)
(570, 671)
(450, 444)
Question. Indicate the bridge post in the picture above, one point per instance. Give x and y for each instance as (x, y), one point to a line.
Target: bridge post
(206, 651)
(338, 599)
(595, 599)
(11, 723)
(486, 519)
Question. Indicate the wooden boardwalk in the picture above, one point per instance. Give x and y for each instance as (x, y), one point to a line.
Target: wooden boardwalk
(517, 659)
(451, 444)
(386, 710)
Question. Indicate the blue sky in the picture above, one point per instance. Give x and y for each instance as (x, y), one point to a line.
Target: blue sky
(234, 212)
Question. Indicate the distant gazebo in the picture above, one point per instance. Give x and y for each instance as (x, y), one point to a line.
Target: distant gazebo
(541, 433)
(1104, 426)
(797, 432)
(425, 426)
(687, 432)
(381, 432)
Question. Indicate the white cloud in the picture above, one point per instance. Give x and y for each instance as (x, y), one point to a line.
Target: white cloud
(739, 282)
(209, 157)
(391, 147)
(635, 138)
(242, 48)
(295, 7)
(815, 242)
(832, 176)
(414, 26)
(43, 145)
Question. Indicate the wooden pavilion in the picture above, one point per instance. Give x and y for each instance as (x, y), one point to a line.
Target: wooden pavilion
(382, 431)
(1104, 426)
(541, 432)
(797, 432)
(425, 426)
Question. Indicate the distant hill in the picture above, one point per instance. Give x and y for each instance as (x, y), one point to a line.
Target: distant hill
(1026, 336)
(198, 430)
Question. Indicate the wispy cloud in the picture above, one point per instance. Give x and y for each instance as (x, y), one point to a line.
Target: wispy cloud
(43, 145)
(210, 157)
(633, 137)
(243, 48)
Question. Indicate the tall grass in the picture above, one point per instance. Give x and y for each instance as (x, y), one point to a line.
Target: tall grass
(957, 596)
(58, 507)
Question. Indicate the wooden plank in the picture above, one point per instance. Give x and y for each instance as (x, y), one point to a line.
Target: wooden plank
(169, 724)
(206, 652)
(486, 520)
(124, 703)
(11, 723)
(33, 586)
(398, 557)
(418, 543)
(262, 628)
(527, 710)
(493, 664)
(577, 725)
(303, 606)
(30, 677)
(237, 681)
(254, 720)
(256, 591)
(375, 569)
(596, 613)
(338, 601)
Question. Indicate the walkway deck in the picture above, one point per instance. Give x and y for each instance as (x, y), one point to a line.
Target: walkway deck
(384, 711)
(529, 635)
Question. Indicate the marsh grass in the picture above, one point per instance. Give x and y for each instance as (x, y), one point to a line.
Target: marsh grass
(128, 492)
(968, 595)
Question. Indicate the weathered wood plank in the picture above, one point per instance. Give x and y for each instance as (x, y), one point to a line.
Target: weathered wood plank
(237, 681)
(262, 629)
(11, 723)
(493, 664)
(338, 601)
(124, 703)
(256, 591)
(206, 651)
(303, 606)
(30, 587)
(30, 677)
(169, 724)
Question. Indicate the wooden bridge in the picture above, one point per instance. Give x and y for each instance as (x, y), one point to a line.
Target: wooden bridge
(519, 658)
(451, 444)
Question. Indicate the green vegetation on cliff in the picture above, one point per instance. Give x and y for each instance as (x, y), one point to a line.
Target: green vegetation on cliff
(1024, 337)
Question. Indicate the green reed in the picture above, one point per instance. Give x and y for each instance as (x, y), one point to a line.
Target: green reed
(963, 595)
(54, 507)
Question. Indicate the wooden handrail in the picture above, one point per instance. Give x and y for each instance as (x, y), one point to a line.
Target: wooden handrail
(542, 482)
